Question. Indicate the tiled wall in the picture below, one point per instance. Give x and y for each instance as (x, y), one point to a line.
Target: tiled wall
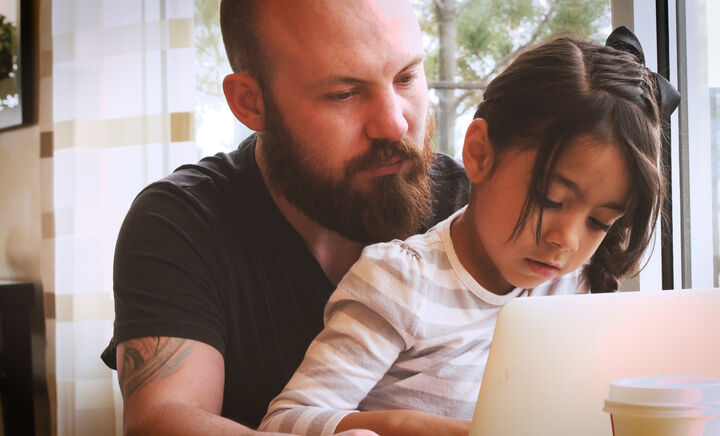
(25, 194)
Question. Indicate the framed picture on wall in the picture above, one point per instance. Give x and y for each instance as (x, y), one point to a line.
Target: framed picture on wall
(16, 78)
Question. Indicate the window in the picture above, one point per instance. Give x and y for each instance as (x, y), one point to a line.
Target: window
(684, 35)
(215, 126)
(469, 42)
(696, 196)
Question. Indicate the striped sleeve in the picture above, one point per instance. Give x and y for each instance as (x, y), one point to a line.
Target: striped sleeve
(363, 336)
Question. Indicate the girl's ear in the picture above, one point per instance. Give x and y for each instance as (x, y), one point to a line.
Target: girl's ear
(478, 153)
(245, 99)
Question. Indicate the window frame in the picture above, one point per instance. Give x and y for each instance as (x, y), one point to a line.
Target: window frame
(675, 44)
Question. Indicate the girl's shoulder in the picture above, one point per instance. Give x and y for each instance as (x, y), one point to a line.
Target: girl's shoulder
(410, 256)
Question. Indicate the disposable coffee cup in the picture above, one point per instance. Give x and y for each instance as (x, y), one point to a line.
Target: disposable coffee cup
(665, 406)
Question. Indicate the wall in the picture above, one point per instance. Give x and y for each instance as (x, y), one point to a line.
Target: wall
(25, 190)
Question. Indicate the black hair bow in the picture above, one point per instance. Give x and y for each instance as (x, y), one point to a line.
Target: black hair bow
(623, 39)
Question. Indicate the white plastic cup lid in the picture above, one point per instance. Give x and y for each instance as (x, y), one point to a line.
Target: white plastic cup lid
(666, 393)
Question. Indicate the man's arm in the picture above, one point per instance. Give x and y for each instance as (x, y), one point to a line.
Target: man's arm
(174, 386)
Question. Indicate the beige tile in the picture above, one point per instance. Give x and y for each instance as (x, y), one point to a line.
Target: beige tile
(143, 129)
(46, 144)
(46, 64)
(47, 225)
(84, 307)
(181, 33)
(182, 126)
(49, 304)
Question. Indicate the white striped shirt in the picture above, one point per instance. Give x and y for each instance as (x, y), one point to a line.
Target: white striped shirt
(407, 328)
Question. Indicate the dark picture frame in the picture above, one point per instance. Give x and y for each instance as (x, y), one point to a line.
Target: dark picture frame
(16, 63)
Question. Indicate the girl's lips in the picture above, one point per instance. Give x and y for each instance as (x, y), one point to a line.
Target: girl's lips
(541, 268)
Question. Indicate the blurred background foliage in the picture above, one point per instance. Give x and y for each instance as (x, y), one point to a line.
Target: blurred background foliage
(8, 63)
(468, 42)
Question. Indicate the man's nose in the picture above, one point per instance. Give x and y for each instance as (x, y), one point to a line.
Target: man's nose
(563, 232)
(386, 118)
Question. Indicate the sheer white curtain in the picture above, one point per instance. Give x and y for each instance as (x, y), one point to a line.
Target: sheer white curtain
(123, 101)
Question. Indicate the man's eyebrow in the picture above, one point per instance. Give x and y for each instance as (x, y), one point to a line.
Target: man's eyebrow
(347, 80)
(579, 192)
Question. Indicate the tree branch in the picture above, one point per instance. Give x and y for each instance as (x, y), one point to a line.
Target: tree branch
(543, 24)
(463, 5)
(461, 98)
(505, 61)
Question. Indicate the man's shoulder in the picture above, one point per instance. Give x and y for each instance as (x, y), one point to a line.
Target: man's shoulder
(220, 169)
(450, 187)
(213, 180)
(446, 166)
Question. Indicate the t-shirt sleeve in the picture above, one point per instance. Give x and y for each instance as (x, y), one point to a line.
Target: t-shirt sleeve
(450, 187)
(365, 331)
(165, 271)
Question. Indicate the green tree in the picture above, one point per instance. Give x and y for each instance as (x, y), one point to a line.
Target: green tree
(210, 58)
(8, 62)
(469, 41)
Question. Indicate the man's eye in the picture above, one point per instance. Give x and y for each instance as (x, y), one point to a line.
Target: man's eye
(342, 96)
(597, 224)
(405, 79)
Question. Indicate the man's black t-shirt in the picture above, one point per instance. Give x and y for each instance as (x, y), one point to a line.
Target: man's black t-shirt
(205, 254)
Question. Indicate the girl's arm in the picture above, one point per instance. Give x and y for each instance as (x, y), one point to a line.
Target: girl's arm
(343, 363)
(405, 423)
(370, 319)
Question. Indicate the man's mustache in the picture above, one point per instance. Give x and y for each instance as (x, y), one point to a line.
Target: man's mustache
(382, 152)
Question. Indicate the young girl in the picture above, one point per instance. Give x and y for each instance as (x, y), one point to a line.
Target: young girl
(563, 156)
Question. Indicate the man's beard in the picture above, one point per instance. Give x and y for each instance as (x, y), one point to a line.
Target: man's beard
(391, 206)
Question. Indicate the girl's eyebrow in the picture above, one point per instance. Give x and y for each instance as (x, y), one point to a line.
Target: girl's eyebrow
(575, 188)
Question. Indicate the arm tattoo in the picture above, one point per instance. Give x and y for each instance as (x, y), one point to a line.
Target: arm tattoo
(145, 360)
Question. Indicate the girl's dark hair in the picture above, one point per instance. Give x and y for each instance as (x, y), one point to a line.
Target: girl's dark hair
(566, 88)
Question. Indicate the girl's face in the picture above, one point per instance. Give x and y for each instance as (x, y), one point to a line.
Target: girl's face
(588, 192)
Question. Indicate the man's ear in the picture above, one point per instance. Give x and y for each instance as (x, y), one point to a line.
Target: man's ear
(245, 99)
(478, 153)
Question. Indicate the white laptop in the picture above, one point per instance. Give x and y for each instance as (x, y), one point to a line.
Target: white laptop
(552, 358)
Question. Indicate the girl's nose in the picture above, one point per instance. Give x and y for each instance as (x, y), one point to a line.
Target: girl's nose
(563, 232)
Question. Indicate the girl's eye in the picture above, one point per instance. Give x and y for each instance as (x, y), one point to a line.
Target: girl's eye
(546, 203)
(599, 225)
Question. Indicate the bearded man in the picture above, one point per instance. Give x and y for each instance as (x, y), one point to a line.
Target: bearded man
(222, 269)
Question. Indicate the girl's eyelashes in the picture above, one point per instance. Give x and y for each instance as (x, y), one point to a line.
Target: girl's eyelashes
(599, 225)
(546, 203)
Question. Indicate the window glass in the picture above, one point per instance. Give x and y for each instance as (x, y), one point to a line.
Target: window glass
(713, 53)
(215, 126)
(469, 42)
(698, 42)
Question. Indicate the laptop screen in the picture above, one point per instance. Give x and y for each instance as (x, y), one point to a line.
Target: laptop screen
(553, 358)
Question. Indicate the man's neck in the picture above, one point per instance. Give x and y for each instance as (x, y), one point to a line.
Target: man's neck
(334, 253)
